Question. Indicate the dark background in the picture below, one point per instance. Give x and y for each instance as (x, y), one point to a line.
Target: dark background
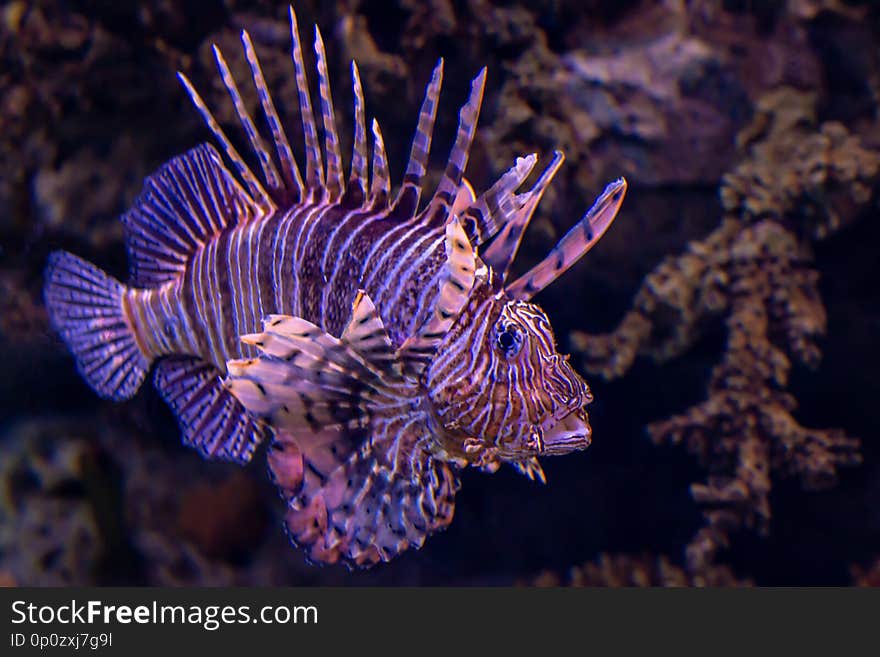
(102, 493)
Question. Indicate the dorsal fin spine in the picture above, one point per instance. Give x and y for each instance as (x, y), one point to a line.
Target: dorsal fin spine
(256, 190)
(421, 143)
(582, 237)
(502, 252)
(289, 168)
(335, 184)
(359, 150)
(492, 210)
(467, 122)
(314, 164)
(270, 173)
(381, 184)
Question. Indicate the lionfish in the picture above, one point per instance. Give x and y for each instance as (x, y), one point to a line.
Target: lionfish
(376, 341)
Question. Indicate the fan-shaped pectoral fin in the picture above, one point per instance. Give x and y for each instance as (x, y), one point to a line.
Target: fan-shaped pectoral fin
(304, 378)
(361, 496)
(349, 449)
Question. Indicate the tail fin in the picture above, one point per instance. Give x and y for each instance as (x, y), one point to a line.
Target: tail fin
(85, 307)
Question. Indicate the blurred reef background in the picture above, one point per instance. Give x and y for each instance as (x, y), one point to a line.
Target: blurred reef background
(728, 323)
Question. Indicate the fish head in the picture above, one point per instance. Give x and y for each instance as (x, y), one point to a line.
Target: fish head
(509, 390)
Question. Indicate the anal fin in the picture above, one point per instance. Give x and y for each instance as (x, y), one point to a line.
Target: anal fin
(211, 419)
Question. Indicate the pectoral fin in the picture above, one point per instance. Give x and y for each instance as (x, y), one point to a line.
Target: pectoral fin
(349, 451)
(360, 503)
(305, 379)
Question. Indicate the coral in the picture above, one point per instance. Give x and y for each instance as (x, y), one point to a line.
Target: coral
(618, 570)
(657, 96)
(192, 524)
(797, 184)
(382, 72)
(90, 105)
(47, 534)
(82, 195)
(816, 181)
(86, 504)
(802, 180)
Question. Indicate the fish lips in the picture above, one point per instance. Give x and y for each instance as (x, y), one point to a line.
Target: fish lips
(568, 434)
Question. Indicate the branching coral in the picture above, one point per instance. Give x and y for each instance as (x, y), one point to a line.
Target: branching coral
(814, 181)
(796, 184)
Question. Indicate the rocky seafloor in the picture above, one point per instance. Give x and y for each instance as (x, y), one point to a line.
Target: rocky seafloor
(728, 323)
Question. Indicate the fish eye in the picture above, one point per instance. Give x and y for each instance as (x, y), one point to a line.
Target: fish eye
(508, 339)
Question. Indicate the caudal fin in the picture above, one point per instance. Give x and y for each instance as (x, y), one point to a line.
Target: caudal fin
(85, 307)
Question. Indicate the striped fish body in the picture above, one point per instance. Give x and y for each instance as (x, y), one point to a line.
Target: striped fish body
(310, 262)
(374, 338)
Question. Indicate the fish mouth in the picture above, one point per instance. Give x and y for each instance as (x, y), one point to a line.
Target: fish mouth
(567, 434)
